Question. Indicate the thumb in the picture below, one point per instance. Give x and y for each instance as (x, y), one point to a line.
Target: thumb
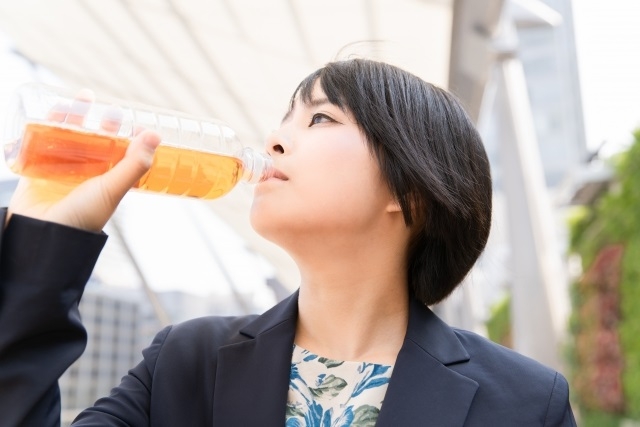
(136, 162)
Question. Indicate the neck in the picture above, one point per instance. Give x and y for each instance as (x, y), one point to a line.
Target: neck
(353, 302)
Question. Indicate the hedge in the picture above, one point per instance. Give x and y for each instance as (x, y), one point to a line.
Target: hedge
(605, 321)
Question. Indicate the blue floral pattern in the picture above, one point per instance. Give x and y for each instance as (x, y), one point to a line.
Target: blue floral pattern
(333, 393)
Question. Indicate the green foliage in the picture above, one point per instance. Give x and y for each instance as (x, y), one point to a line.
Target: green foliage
(630, 327)
(499, 323)
(614, 219)
(600, 419)
(585, 231)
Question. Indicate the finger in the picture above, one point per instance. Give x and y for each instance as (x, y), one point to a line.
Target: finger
(138, 130)
(58, 112)
(111, 119)
(79, 107)
(136, 162)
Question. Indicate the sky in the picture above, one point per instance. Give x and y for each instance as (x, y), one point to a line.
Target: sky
(608, 50)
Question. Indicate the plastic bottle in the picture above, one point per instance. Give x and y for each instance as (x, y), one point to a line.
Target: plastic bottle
(56, 135)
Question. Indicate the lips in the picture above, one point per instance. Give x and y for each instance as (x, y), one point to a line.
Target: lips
(276, 174)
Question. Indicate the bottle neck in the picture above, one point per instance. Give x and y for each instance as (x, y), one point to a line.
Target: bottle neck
(256, 166)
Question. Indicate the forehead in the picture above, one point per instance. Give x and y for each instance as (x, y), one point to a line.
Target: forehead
(311, 95)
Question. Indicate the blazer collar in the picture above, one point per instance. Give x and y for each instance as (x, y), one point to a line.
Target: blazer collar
(422, 387)
(433, 336)
(252, 376)
(282, 312)
(252, 379)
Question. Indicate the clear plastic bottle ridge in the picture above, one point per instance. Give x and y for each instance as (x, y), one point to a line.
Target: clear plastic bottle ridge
(49, 134)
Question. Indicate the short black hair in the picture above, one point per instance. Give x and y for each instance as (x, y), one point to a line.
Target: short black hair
(431, 156)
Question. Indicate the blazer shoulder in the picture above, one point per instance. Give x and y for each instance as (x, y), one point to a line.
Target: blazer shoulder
(209, 330)
(488, 357)
(193, 339)
(204, 336)
(512, 380)
(509, 376)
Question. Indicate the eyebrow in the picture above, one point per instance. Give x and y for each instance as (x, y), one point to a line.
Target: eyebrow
(314, 102)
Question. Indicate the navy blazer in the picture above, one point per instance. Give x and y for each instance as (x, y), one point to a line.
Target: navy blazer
(234, 371)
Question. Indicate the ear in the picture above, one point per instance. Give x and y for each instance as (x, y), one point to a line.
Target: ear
(394, 206)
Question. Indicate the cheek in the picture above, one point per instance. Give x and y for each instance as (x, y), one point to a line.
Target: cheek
(339, 189)
(346, 192)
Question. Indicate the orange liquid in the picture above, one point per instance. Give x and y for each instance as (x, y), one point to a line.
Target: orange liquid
(71, 156)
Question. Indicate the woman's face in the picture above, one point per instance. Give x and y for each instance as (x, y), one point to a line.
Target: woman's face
(328, 182)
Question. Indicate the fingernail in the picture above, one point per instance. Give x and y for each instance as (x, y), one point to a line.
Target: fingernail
(113, 113)
(147, 157)
(85, 95)
(79, 107)
(148, 151)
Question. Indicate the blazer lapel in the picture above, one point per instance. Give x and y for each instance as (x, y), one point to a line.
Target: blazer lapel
(422, 387)
(252, 377)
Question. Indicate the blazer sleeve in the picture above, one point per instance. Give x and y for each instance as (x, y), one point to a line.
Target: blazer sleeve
(43, 270)
(129, 403)
(559, 413)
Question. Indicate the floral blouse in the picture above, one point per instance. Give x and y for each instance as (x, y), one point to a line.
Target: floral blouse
(334, 393)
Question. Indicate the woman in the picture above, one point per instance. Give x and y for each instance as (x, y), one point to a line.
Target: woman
(383, 199)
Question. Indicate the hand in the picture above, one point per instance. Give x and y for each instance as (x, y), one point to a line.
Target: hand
(89, 205)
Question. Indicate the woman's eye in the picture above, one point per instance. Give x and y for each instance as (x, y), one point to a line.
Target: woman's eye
(319, 118)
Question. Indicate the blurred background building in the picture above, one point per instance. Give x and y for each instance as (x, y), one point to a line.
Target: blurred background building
(542, 78)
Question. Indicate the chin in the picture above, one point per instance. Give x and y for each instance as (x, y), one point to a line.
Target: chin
(274, 226)
(264, 221)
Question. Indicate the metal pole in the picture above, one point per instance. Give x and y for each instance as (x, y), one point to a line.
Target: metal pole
(539, 301)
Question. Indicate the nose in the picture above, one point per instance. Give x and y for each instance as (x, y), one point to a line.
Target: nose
(277, 143)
